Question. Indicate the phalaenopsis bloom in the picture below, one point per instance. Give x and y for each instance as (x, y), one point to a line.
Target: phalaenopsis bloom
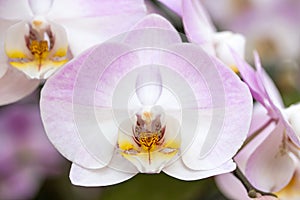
(146, 102)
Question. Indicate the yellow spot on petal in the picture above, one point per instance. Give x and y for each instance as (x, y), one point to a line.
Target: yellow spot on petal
(15, 54)
(291, 191)
(61, 52)
(234, 68)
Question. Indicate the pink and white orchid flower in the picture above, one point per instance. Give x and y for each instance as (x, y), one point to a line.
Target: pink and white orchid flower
(146, 102)
(200, 30)
(38, 37)
(271, 160)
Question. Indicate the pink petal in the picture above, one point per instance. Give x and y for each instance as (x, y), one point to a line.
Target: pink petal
(270, 167)
(58, 117)
(152, 31)
(197, 24)
(175, 5)
(106, 9)
(220, 95)
(15, 9)
(269, 85)
(14, 85)
(97, 177)
(180, 171)
(250, 77)
(231, 187)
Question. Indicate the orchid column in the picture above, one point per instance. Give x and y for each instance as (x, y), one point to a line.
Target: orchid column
(146, 102)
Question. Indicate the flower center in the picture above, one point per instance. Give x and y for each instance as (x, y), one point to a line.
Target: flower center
(37, 48)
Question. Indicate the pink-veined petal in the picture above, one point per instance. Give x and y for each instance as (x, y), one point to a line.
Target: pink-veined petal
(15, 9)
(220, 95)
(268, 84)
(175, 5)
(58, 117)
(97, 177)
(250, 77)
(152, 31)
(270, 167)
(14, 85)
(180, 171)
(197, 24)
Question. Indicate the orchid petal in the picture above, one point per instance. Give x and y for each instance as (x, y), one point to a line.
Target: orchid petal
(224, 40)
(197, 24)
(272, 91)
(4, 25)
(179, 170)
(91, 8)
(96, 21)
(231, 187)
(40, 7)
(174, 5)
(15, 9)
(97, 177)
(249, 76)
(270, 167)
(152, 31)
(210, 146)
(61, 129)
(14, 86)
(148, 88)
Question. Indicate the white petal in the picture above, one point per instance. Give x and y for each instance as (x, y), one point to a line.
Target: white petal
(15, 9)
(39, 7)
(180, 171)
(4, 25)
(14, 85)
(97, 177)
(224, 41)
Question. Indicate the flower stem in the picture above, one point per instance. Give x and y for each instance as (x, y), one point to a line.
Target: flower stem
(252, 191)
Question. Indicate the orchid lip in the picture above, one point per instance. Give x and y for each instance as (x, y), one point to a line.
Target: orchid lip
(40, 47)
(147, 146)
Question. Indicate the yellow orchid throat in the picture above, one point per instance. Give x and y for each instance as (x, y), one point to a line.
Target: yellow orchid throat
(37, 48)
(151, 143)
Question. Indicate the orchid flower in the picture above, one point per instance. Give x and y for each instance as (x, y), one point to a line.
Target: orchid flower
(38, 37)
(146, 102)
(271, 160)
(249, 18)
(200, 30)
(23, 149)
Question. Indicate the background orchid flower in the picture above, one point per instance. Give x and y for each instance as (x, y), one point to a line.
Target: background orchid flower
(146, 102)
(249, 18)
(270, 161)
(199, 29)
(23, 149)
(38, 37)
